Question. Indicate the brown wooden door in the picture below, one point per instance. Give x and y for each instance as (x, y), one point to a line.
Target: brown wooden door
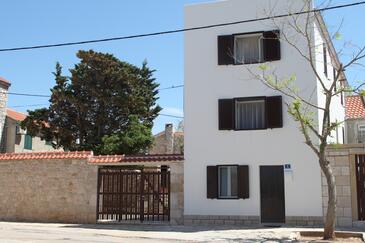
(360, 183)
(272, 194)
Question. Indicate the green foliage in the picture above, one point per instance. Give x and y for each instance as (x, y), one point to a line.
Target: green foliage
(338, 36)
(135, 139)
(97, 101)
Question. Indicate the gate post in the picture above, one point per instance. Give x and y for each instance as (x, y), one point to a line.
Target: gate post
(141, 197)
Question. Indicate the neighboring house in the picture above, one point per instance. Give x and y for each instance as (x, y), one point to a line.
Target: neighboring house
(355, 119)
(245, 155)
(16, 140)
(168, 141)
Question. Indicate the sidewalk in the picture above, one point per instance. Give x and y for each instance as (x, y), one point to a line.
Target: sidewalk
(35, 232)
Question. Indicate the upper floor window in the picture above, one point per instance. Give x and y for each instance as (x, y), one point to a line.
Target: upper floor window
(249, 48)
(250, 113)
(361, 134)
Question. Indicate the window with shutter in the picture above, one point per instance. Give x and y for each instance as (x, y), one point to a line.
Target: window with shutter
(250, 113)
(249, 48)
(228, 182)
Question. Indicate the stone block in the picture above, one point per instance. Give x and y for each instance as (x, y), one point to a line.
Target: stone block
(344, 222)
(347, 212)
(345, 171)
(346, 191)
(342, 180)
(344, 202)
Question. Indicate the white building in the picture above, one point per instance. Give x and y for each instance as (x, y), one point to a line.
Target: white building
(238, 134)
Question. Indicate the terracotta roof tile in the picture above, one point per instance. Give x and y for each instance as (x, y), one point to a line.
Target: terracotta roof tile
(15, 115)
(104, 159)
(355, 107)
(5, 82)
(133, 159)
(46, 155)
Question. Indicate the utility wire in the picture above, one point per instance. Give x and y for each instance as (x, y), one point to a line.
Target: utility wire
(179, 117)
(180, 30)
(33, 105)
(48, 96)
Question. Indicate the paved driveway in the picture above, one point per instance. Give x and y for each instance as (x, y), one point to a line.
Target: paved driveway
(35, 233)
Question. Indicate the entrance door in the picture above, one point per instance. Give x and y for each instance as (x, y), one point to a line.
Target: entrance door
(272, 194)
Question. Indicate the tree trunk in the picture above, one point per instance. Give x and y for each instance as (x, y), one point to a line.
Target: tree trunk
(329, 227)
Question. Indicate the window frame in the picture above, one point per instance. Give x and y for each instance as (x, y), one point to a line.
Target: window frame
(261, 46)
(218, 181)
(244, 99)
(359, 127)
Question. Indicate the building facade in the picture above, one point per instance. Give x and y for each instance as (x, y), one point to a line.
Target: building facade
(168, 141)
(355, 119)
(16, 140)
(245, 156)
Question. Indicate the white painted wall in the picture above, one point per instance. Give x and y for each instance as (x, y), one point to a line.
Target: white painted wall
(206, 82)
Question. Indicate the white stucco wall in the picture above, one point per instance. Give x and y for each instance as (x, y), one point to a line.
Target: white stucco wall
(206, 82)
(337, 109)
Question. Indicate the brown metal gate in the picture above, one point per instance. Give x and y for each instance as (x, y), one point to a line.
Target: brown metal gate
(127, 194)
(360, 183)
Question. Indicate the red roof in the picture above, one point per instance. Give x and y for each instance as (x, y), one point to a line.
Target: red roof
(355, 107)
(104, 159)
(4, 82)
(136, 159)
(46, 155)
(17, 116)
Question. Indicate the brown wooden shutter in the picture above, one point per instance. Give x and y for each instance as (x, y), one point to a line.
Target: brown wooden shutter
(272, 50)
(274, 112)
(212, 182)
(225, 50)
(243, 182)
(226, 114)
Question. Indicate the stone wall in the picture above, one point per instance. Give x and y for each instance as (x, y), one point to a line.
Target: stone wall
(48, 190)
(3, 104)
(342, 160)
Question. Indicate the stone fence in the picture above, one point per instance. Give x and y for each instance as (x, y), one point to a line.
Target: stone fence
(61, 187)
(342, 159)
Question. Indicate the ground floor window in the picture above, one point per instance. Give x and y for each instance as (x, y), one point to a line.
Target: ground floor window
(227, 176)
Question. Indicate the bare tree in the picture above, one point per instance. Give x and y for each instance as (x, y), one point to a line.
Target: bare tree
(296, 30)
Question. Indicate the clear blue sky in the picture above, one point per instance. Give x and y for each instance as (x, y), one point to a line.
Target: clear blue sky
(36, 22)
